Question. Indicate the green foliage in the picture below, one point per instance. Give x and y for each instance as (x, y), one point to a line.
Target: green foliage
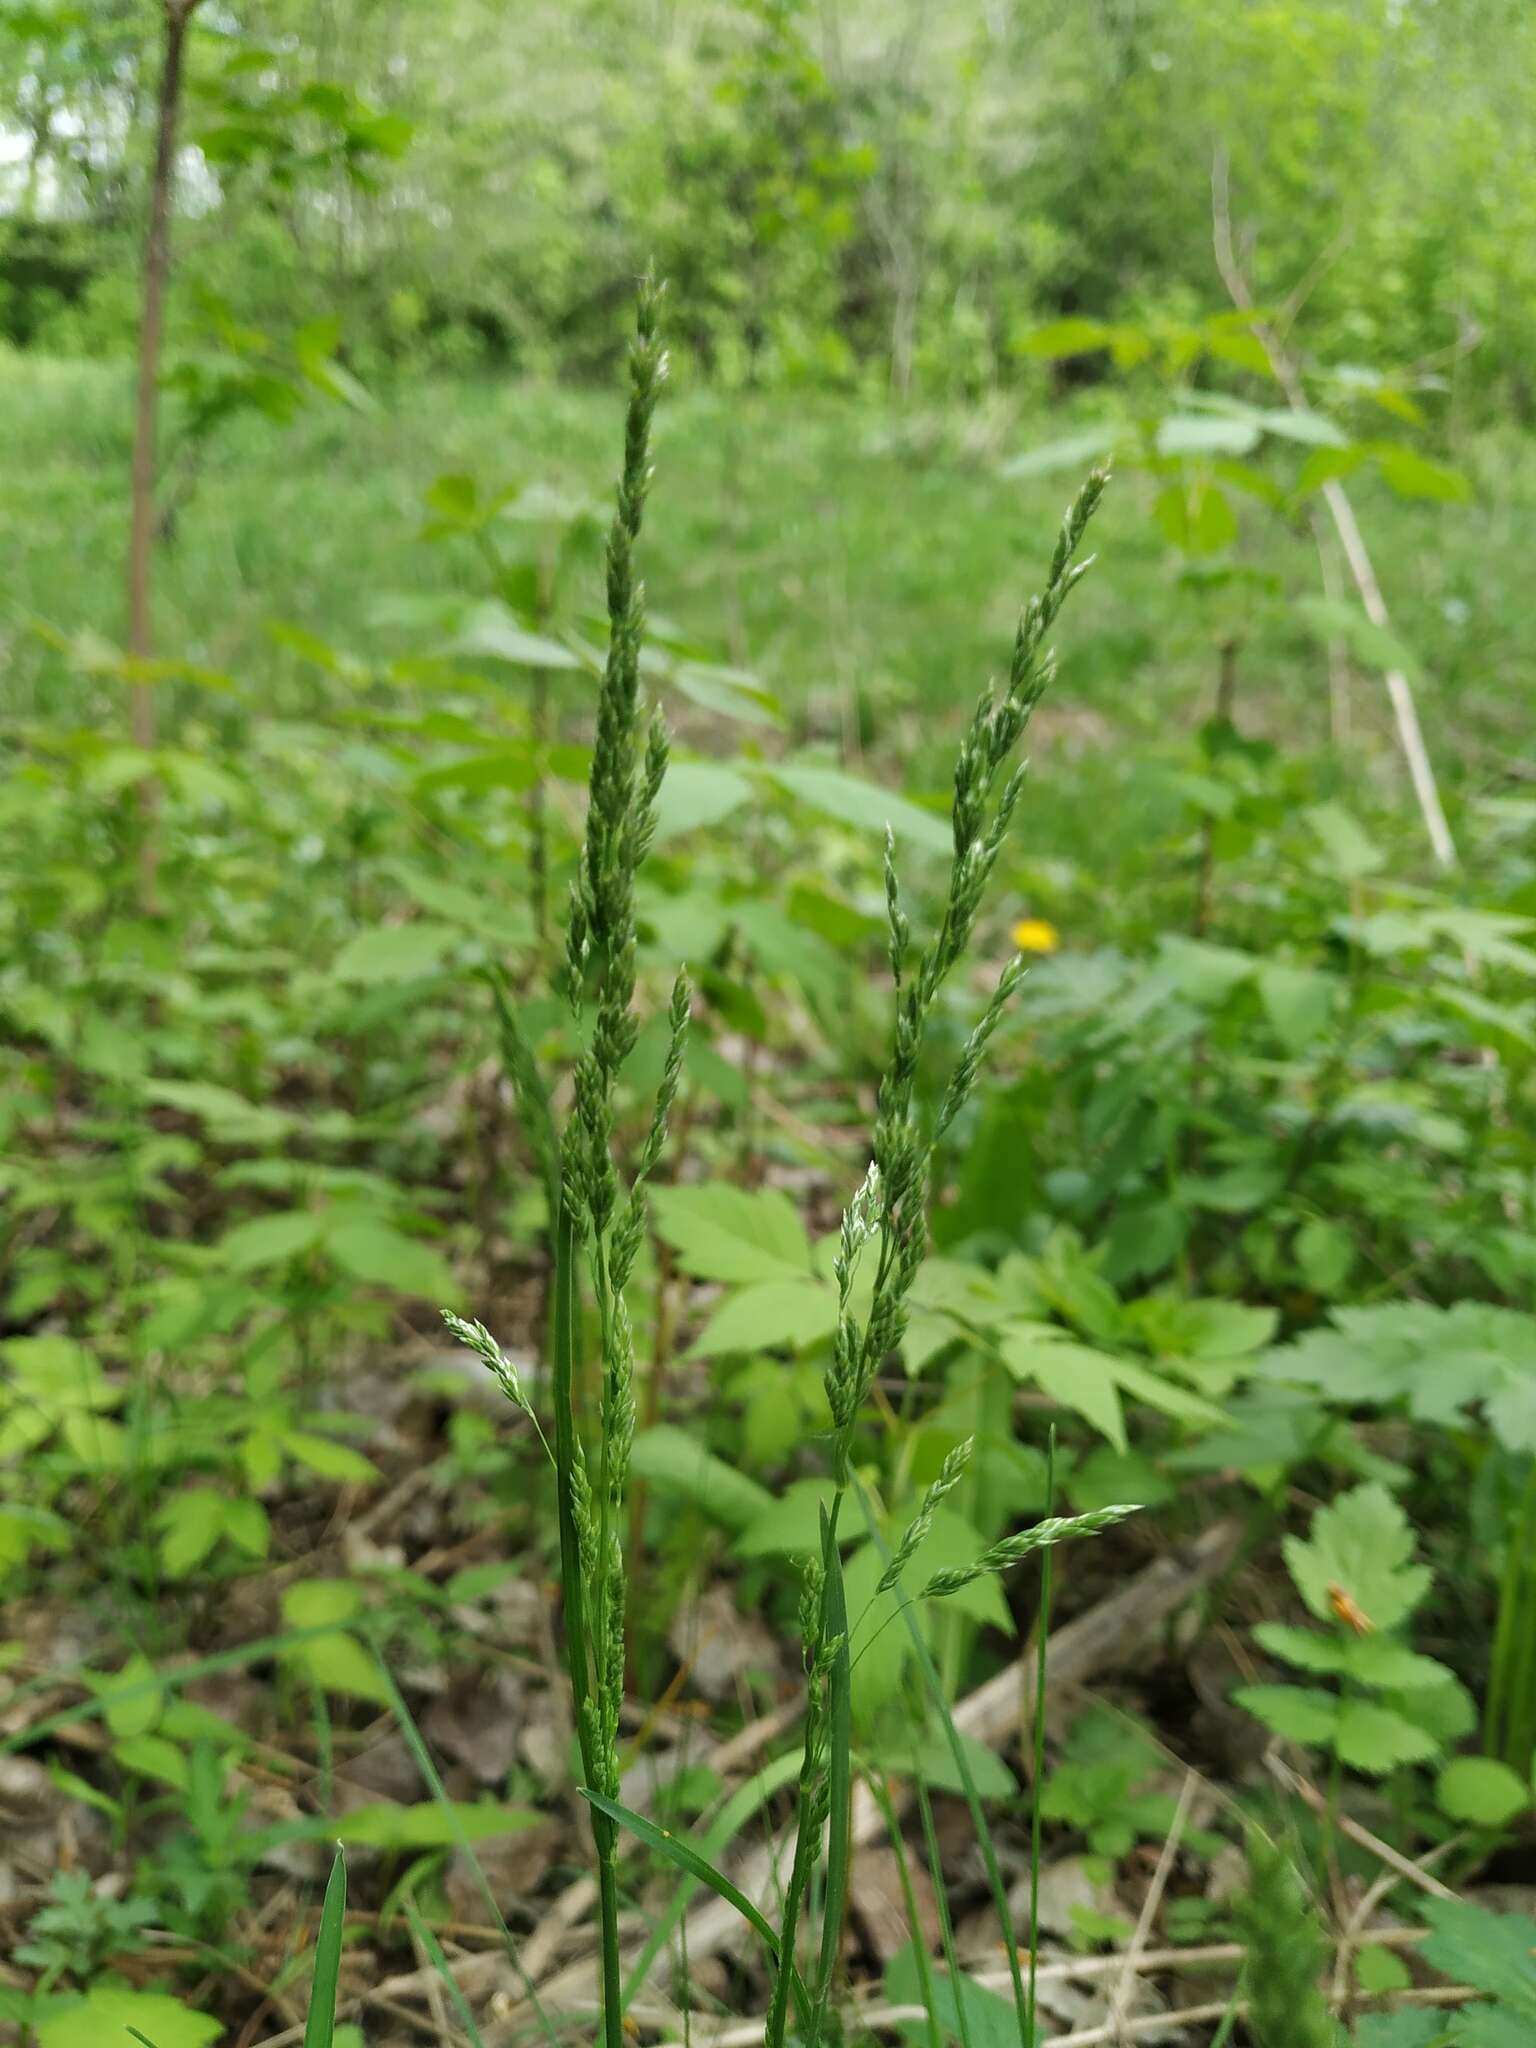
(1393, 1706)
(1285, 1956)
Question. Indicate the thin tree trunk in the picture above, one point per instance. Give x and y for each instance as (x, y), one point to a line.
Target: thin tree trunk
(157, 264)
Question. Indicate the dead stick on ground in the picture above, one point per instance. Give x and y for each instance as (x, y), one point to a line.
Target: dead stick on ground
(1382, 1851)
(1120, 1998)
(1356, 554)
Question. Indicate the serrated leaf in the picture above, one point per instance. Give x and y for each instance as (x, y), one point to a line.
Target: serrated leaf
(864, 805)
(112, 2013)
(385, 1257)
(1360, 1544)
(720, 1232)
(1494, 1951)
(1373, 1738)
(1300, 1713)
(696, 794)
(676, 1460)
(1376, 1660)
(767, 1316)
(1303, 1647)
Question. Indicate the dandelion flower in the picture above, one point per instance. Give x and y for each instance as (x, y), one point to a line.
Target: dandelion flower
(1036, 935)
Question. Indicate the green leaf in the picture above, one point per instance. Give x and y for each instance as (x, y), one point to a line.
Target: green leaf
(152, 1756)
(1073, 1375)
(1491, 1950)
(109, 2012)
(1375, 1739)
(396, 952)
(683, 1856)
(132, 1698)
(374, 1251)
(192, 1522)
(330, 1459)
(338, 1663)
(1300, 1713)
(864, 805)
(320, 2021)
(1206, 434)
(721, 1232)
(931, 1758)
(1303, 1647)
(1350, 850)
(1075, 336)
(1298, 1002)
(789, 1523)
(1481, 1790)
(1325, 1252)
(1071, 452)
(767, 1315)
(678, 1461)
(696, 794)
(1377, 1660)
(965, 2010)
(1413, 475)
(1312, 429)
(269, 1240)
(1360, 1543)
(493, 632)
(1372, 645)
(1381, 1969)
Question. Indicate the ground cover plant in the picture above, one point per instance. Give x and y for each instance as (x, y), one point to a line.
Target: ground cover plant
(960, 1470)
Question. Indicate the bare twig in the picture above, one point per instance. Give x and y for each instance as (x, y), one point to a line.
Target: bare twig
(1382, 1851)
(1125, 1983)
(1356, 554)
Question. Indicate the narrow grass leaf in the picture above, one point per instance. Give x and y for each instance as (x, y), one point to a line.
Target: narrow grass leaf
(320, 2024)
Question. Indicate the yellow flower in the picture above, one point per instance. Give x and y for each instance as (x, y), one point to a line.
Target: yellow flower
(1036, 935)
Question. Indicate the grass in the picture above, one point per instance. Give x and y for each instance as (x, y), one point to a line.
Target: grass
(863, 564)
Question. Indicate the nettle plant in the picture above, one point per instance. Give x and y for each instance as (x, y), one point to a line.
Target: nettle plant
(600, 1222)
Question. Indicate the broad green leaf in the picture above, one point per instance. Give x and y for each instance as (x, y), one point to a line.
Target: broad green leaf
(767, 1315)
(1298, 1002)
(1413, 475)
(1071, 452)
(1376, 1739)
(1303, 1647)
(678, 1461)
(396, 952)
(1073, 1375)
(864, 805)
(1377, 1660)
(1374, 646)
(515, 768)
(330, 1459)
(1494, 1951)
(790, 1523)
(152, 1756)
(1325, 1252)
(111, 2013)
(1298, 1712)
(1313, 429)
(1481, 1790)
(1362, 1544)
(227, 1115)
(1075, 336)
(930, 1758)
(721, 1232)
(191, 1523)
(1206, 434)
(269, 1240)
(374, 1251)
(696, 794)
(493, 632)
(132, 1697)
(338, 1663)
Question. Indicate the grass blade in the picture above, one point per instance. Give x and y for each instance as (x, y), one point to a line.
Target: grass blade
(984, 1841)
(320, 2024)
(683, 1856)
(432, 1949)
(839, 1771)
